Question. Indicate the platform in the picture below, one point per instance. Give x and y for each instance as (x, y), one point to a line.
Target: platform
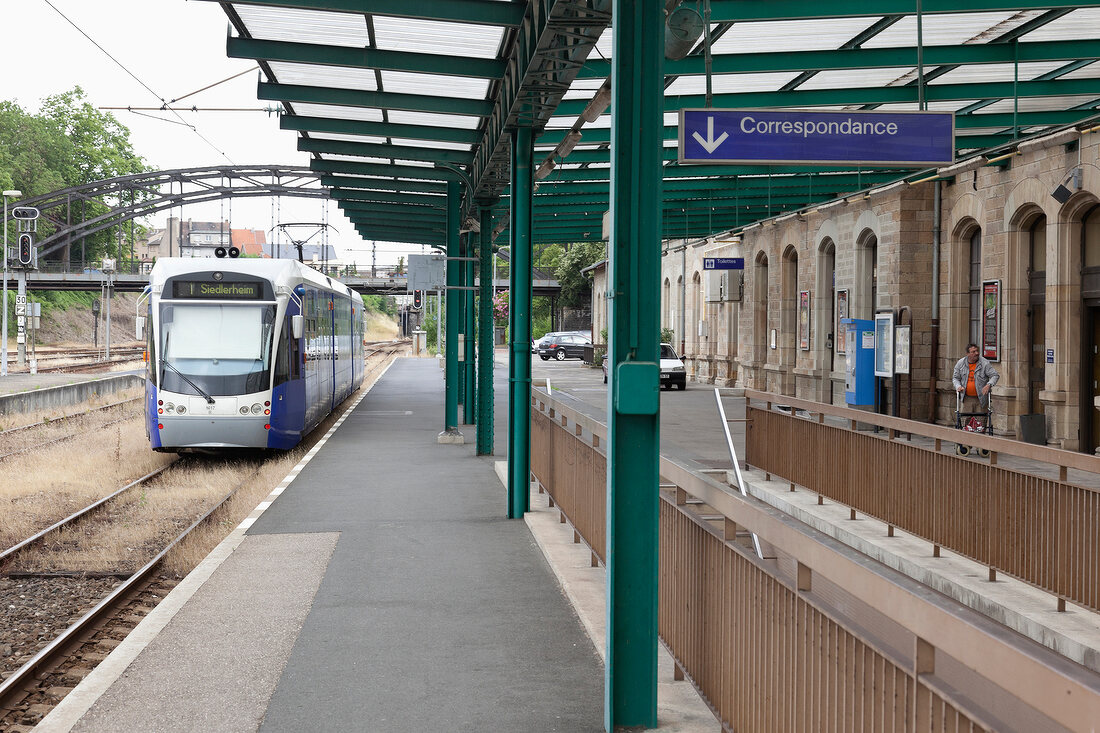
(382, 590)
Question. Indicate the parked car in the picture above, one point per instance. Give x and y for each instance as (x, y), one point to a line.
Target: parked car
(562, 346)
(672, 368)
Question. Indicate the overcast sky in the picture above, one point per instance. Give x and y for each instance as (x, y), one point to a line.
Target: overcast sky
(175, 47)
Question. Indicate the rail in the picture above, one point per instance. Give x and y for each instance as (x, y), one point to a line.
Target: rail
(817, 638)
(1036, 528)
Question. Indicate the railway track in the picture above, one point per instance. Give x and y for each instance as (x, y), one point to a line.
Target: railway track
(42, 679)
(25, 433)
(28, 691)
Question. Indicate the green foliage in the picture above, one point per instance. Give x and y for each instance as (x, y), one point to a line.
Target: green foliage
(667, 334)
(380, 304)
(576, 288)
(68, 143)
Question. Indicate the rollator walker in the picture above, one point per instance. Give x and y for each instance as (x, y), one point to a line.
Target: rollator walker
(972, 422)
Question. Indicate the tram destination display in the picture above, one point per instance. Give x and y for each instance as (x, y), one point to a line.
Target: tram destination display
(220, 290)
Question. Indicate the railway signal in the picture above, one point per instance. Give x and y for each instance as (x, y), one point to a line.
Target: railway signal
(418, 299)
(26, 249)
(24, 213)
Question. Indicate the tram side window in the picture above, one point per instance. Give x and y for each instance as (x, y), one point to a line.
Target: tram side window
(282, 367)
(150, 349)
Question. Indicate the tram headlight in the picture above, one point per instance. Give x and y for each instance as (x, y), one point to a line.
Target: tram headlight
(256, 408)
(180, 409)
(168, 406)
(244, 409)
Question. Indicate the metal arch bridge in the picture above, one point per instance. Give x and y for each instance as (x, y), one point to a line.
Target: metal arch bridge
(142, 194)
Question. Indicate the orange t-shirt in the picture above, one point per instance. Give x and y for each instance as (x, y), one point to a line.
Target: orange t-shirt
(971, 390)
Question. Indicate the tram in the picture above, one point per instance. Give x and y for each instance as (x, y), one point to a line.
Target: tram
(245, 353)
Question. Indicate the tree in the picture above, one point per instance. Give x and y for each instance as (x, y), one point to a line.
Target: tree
(576, 288)
(400, 269)
(68, 143)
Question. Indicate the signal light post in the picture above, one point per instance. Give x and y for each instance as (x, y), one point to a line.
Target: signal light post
(4, 334)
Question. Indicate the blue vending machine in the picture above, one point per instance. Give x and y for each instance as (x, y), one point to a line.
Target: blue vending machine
(859, 379)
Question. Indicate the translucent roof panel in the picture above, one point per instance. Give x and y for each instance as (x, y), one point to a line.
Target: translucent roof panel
(846, 78)
(946, 29)
(583, 88)
(1083, 23)
(776, 35)
(1092, 71)
(1037, 104)
(315, 75)
(348, 138)
(730, 83)
(432, 36)
(304, 26)
(434, 86)
(976, 73)
(433, 120)
(337, 112)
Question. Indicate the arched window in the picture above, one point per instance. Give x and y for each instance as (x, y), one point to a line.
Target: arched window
(826, 300)
(866, 299)
(789, 304)
(760, 333)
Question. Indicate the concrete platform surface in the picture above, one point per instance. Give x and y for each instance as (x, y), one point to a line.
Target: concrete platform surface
(382, 590)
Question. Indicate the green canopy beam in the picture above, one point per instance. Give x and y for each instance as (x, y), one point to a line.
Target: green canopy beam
(479, 12)
(733, 11)
(382, 184)
(371, 150)
(866, 58)
(378, 129)
(872, 95)
(381, 169)
(382, 100)
(389, 198)
(363, 58)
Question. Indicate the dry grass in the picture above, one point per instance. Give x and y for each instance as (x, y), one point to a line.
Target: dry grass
(142, 522)
(41, 487)
(379, 327)
(54, 414)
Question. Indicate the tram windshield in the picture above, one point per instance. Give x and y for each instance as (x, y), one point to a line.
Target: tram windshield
(217, 349)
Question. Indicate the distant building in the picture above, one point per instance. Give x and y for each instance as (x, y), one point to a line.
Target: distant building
(249, 241)
(197, 239)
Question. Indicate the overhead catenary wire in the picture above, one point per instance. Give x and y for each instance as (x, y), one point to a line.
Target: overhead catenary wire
(135, 78)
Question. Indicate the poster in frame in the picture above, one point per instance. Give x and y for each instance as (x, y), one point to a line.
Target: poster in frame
(804, 320)
(991, 319)
(841, 314)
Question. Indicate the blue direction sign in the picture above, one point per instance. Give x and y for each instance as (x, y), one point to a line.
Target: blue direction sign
(805, 136)
(723, 263)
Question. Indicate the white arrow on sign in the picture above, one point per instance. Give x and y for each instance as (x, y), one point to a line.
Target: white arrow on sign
(710, 144)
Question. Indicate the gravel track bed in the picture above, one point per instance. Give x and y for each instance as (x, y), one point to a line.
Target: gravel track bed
(61, 602)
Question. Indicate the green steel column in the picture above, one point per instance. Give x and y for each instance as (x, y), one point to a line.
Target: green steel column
(519, 419)
(453, 322)
(460, 317)
(469, 392)
(633, 404)
(485, 335)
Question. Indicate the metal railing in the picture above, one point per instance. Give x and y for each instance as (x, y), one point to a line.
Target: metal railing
(1039, 529)
(817, 638)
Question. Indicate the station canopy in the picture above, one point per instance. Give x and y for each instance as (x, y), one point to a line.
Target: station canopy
(393, 98)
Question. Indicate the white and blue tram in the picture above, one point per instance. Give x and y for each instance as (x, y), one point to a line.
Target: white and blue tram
(246, 353)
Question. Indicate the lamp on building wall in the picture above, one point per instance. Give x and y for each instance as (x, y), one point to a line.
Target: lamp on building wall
(1062, 193)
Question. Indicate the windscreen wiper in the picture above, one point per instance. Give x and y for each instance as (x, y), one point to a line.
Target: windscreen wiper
(200, 390)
